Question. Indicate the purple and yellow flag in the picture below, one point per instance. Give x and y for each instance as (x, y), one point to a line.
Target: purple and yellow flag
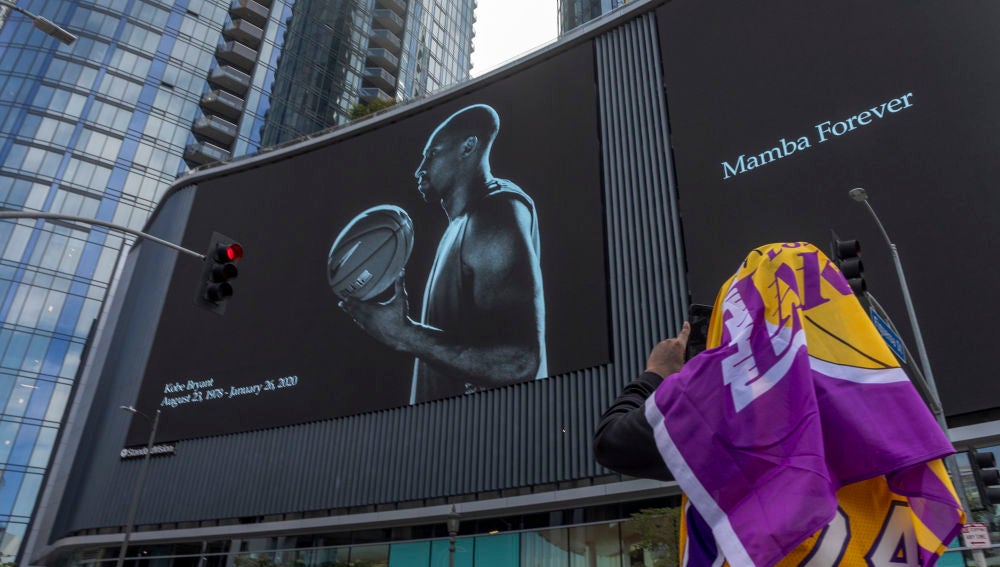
(797, 398)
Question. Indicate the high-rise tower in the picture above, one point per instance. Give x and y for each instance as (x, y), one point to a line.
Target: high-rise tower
(337, 54)
(573, 13)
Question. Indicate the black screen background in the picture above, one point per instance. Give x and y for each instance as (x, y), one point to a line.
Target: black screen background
(283, 319)
(741, 75)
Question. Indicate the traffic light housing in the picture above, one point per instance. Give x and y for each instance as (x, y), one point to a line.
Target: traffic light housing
(847, 256)
(220, 269)
(987, 477)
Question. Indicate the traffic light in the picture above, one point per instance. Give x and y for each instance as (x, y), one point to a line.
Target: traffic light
(220, 268)
(847, 256)
(987, 477)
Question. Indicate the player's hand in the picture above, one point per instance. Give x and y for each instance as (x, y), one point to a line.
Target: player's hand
(667, 357)
(386, 322)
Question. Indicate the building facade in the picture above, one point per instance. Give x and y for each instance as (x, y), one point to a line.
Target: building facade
(336, 55)
(102, 127)
(575, 13)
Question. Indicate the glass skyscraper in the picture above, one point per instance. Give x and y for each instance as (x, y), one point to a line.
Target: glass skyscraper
(101, 128)
(574, 13)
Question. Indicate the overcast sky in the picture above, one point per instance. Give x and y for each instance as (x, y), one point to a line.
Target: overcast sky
(506, 29)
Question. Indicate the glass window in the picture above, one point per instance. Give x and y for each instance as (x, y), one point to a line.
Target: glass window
(415, 554)
(25, 502)
(597, 546)
(498, 550)
(14, 354)
(547, 547)
(57, 404)
(37, 347)
(6, 385)
(70, 363)
(12, 538)
(463, 552)
(31, 305)
(43, 447)
(23, 444)
(10, 485)
(370, 555)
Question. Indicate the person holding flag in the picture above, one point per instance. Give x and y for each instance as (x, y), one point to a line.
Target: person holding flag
(795, 436)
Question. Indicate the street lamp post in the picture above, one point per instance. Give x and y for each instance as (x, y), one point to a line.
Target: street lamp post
(44, 24)
(861, 196)
(137, 493)
(453, 519)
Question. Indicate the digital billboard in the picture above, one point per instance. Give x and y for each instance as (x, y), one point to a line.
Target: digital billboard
(779, 108)
(488, 203)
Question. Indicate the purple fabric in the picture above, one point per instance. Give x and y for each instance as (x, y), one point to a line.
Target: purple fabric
(759, 440)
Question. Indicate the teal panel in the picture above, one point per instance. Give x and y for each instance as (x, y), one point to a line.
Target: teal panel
(463, 552)
(416, 554)
(499, 550)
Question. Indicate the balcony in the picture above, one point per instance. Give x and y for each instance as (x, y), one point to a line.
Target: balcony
(230, 78)
(216, 129)
(237, 54)
(386, 39)
(369, 94)
(383, 58)
(380, 78)
(388, 20)
(250, 11)
(201, 153)
(398, 6)
(244, 32)
(222, 103)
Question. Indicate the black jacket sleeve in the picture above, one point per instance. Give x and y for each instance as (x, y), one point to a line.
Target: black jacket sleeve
(624, 440)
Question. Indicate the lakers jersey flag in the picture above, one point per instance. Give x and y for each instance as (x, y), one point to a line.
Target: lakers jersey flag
(797, 407)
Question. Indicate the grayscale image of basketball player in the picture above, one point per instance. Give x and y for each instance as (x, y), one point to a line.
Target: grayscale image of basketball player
(482, 323)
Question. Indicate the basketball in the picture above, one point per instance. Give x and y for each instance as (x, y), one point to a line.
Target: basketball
(369, 253)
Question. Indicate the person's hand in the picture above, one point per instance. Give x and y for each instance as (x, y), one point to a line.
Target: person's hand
(667, 357)
(386, 322)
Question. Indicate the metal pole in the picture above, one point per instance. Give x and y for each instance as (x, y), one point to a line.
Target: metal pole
(59, 216)
(860, 195)
(137, 493)
(453, 523)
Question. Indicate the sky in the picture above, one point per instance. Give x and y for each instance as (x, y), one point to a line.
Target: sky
(507, 29)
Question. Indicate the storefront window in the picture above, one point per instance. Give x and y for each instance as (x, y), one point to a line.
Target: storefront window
(369, 556)
(595, 546)
(543, 548)
(416, 554)
(497, 550)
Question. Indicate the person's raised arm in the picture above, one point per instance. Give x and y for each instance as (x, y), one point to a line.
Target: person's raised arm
(623, 440)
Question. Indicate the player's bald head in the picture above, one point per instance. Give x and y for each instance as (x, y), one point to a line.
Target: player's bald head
(478, 120)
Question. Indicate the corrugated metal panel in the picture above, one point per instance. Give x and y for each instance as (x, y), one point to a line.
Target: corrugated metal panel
(522, 435)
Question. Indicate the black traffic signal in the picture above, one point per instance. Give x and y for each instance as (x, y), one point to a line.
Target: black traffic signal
(987, 477)
(220, 268)
(847, 256)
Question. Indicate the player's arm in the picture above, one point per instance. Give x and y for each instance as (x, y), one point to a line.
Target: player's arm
(507, 300)
(507, 293)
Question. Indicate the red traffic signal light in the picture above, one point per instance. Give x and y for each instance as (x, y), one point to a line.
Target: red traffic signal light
(220, 267)
(229, 253)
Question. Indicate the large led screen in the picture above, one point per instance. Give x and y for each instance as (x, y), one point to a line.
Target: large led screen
(499, 193)
(779, 108)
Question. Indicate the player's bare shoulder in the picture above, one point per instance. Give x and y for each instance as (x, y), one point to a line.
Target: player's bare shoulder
(500, 227)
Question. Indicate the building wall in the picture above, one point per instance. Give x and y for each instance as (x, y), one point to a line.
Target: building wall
(96, 129)
(531, 436)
